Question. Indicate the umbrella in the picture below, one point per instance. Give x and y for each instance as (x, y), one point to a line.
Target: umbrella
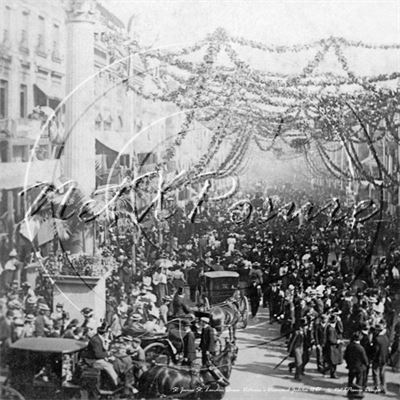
(163, 263)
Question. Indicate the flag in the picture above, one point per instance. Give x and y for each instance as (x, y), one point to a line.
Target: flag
(29, 228)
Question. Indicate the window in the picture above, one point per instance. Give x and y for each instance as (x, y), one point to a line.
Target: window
(41, 37)
(24, 32)
(3, 99)
(98, 122)
(56, 43)
(108, 123)
(7, 25)
(121, 122)
(23, 94)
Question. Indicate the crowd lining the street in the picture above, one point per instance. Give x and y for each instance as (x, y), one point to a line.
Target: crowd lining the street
(316, 278)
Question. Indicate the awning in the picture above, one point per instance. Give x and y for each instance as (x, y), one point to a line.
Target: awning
(114, 141)
(13, 173)
(44, 98)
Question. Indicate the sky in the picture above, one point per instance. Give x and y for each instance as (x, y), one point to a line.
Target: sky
(174, 22)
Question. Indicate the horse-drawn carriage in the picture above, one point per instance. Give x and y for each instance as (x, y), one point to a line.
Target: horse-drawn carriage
(44, 368)
(222, 288)
(55, 368)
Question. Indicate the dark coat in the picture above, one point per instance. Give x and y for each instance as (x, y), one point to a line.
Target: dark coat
(179, 307)
(189, 346)
(207, 341)
(366, 343)
(95, 349)
(334, 349)
(296, 343)
(380, 350)
(356, 357)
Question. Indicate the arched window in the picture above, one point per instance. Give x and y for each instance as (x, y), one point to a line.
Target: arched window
(108, 123)
(98, 121)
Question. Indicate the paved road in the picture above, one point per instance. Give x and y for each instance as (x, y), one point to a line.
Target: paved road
(254, 376)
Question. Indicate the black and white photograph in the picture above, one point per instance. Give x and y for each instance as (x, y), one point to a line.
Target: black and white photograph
(199, 199)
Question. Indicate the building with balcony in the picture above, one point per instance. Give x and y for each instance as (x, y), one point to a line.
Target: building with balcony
(32, 85)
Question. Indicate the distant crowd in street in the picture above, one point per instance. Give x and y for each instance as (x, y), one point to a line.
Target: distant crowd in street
(323, 282)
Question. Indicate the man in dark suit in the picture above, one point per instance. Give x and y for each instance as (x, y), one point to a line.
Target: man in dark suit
(367, 345)
(207, 341)
(97, 353)
(380, 357)
(189, 346)
(333, 349)
(357, 362)
(295, 349)
(180, 307)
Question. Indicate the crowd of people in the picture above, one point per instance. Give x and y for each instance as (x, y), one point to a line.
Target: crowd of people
(324, 280)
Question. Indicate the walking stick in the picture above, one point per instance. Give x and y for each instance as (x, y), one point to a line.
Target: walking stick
(281, 362)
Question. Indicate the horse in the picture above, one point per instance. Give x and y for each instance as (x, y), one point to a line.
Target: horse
(224, 315)
(180, 382)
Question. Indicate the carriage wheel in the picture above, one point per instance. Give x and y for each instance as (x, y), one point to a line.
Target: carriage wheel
(155, 350)
(8, 393)
(244, 311)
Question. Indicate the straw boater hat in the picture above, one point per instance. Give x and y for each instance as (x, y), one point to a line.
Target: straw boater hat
(44, 307)
(13, 253)
(14, 305)
(29, 318)
(32, 300)
(136, 317)
(18, 322)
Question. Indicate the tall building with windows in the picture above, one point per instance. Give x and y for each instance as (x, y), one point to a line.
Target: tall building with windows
(32, 85)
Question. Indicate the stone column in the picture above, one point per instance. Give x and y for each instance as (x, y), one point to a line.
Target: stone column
(78, 161)
(79, 151)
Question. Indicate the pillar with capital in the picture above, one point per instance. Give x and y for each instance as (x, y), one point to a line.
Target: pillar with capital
(79, 152)
(78, 160)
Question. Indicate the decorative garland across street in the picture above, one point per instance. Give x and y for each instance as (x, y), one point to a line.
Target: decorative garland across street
(221, 96)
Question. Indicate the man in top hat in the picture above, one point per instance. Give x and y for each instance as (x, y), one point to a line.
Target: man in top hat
(333, 346)
(207, 341)
(357, 362)
(89, 323)
(189, 346)
(31, 305)
(380, 357)
(180, 308)
(97, 354)
(60, 317)
(296, 349)
(41, 321)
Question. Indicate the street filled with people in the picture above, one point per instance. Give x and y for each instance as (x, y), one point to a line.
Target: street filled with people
(329, 279)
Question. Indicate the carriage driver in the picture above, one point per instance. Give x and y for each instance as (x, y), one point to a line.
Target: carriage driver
(97, 353)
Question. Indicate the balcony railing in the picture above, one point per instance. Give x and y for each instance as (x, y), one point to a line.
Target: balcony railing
(22, 128)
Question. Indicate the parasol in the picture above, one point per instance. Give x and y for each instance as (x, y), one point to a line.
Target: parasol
(163, 263)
